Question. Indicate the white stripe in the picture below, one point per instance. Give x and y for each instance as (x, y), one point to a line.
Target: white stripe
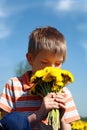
(70, 104)
(7, 92)
(71, 114)
(67, 91)
(6, 102)
(16, 92)
(14, 82)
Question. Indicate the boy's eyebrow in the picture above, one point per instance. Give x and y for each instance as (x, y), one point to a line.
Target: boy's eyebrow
(44, 60)
(49, 60)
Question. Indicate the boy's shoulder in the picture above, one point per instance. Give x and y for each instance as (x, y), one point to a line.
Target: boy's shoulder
(21, 81)
(67, 92)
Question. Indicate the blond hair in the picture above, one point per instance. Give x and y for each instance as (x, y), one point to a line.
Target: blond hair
(47, 38)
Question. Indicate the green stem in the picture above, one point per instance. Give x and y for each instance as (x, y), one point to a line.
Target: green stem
(54, 119)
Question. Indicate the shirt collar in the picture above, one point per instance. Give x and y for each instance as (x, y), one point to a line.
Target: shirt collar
(26, 80)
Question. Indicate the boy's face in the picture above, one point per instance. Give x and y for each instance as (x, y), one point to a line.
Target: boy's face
(45, 59)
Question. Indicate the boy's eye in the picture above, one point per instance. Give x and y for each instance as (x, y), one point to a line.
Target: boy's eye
(58, 64)
(44, 62)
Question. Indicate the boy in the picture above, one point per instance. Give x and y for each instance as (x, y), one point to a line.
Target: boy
(47, 47)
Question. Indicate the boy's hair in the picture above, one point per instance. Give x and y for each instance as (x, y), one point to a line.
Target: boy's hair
(47, 38)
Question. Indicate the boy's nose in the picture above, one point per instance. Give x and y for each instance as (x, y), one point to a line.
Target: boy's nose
(53, 65)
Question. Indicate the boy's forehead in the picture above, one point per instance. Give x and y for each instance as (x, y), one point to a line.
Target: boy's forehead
(47, 54)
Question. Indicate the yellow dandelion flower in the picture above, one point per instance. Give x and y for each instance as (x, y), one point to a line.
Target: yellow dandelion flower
(47, 80)
(54, 88)
(68, 74)
(39, 73)
(36, 76)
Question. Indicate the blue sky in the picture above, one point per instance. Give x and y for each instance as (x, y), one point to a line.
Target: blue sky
(17, 20)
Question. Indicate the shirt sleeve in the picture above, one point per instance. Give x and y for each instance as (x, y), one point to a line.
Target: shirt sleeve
(7, 98)
(71, 113)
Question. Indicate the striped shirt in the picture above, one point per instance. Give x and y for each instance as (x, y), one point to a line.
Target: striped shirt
(15, 97)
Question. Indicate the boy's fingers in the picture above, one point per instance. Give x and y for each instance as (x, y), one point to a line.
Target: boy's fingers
(51, 95)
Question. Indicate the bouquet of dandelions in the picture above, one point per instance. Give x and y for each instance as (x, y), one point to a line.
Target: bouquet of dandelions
(47, 80)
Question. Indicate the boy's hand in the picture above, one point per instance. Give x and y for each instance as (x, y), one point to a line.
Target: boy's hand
(52, 101)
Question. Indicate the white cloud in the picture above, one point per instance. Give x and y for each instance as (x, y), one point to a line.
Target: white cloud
(2, 14)
(64, 5)
(67, 5)
(6, 11)
(16, 7)
(4, 31)
(2, 11)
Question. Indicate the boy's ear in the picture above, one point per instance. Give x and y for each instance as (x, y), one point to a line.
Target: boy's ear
(29, 58)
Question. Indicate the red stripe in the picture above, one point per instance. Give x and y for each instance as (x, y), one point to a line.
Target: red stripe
(14, 88)
(69, 99)
(68, 120)
(29, 98)
(27, 109)
(22, 98)
(70, 109)
(6, 108)
(8, 97)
